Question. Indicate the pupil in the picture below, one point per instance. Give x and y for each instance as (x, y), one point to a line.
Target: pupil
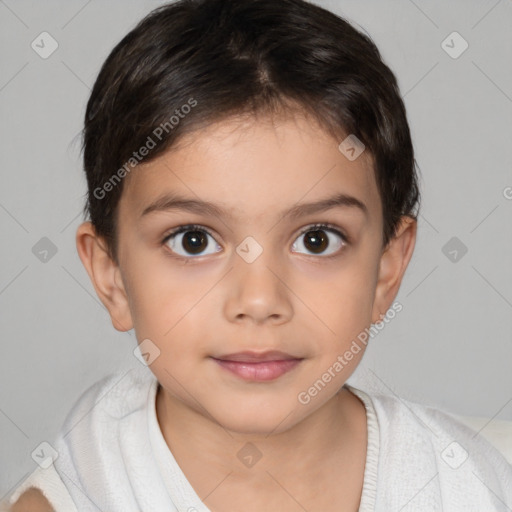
(193, 241)
(317, 240)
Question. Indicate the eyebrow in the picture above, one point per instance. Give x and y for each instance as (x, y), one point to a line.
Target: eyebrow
(169, 202)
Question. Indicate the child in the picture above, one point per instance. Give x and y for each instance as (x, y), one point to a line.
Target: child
(253, 203)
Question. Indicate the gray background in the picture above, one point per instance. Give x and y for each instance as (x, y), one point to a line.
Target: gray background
(450, 347)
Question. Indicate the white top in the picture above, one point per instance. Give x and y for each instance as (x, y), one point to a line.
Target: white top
(113, 457)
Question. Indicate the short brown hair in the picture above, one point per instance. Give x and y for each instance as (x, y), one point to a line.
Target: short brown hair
(235, 57)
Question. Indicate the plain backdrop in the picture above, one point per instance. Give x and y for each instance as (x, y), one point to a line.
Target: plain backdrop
(451, 345)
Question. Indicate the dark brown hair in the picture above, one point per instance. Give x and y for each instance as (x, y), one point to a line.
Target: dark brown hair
(193, 62)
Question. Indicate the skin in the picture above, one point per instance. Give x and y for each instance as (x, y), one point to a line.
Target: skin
(289, 299)
(32, 500)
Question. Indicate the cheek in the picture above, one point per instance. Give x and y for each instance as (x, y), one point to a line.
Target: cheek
(161, 291)
(171, 309)
(345, 303)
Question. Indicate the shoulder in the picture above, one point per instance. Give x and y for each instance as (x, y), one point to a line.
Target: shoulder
(90, 425)
(31, 500)
(94, 422)
(447, 436)
(116, 396)
(43, 489)
(428, 447)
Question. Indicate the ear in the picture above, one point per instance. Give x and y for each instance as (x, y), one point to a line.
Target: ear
(393, 262)
(105, 276)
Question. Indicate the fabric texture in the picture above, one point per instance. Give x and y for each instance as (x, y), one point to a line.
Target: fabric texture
(112, 456)
(497, 432)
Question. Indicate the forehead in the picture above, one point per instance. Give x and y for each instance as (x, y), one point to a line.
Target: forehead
(253, 168)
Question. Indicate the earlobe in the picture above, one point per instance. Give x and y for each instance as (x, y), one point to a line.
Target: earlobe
(393, 263)
(105, 276)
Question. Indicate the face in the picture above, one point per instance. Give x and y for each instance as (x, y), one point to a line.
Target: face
(259, 268)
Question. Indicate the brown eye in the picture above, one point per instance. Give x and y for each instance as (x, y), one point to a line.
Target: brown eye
(190, 241)
(319, 239)
(316, 241)
(194, 242)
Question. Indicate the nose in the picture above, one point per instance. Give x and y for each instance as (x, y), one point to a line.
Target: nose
(257, 292)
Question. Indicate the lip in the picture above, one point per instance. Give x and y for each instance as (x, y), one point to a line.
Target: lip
(258, 367)
(250, 356)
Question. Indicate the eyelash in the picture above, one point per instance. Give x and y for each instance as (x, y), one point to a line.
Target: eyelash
(313, 227)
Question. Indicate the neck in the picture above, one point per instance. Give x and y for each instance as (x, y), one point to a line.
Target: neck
(203, 447)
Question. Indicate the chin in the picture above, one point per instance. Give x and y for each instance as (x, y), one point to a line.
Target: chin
(256, 422)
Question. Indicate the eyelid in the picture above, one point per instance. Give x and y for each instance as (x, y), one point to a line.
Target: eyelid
(187, 227)
(327, 226)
